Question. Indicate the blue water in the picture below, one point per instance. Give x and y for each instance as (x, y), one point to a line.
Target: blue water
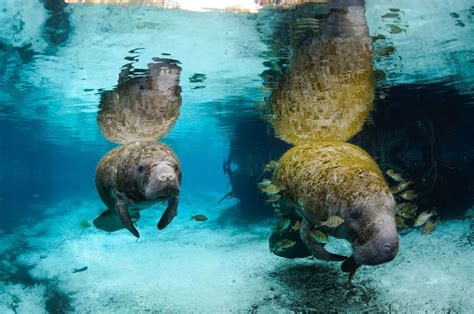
(56, 60)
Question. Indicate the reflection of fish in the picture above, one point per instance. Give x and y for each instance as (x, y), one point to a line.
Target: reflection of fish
(423, 218)
(271, 189)
(395, 176)
(199, 217)
(271, 166)
(318, 236)
(264, 183)
(197, 78)
(400, 187)
(332, 222)
(273, 198)
(282, 245)
(78, 270)
(409, 195)
(283, 224)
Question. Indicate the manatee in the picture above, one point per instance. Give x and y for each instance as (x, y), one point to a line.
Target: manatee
(133, 177)
(340, 179)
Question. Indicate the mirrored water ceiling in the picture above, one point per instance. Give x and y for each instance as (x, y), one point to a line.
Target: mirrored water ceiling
(406, 71)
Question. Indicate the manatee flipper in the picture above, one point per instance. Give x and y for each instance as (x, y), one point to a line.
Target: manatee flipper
(121, 204)
(170, 212)
(316, 248)
(350, 266)
(108, 221)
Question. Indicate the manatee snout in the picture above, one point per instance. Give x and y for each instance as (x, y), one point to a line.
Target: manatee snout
(382, 248)
(163, 182)
(377, 252)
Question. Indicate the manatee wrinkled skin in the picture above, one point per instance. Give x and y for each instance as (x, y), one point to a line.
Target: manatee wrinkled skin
(341, 179)
(133, 177)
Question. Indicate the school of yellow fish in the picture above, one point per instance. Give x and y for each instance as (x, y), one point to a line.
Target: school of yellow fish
(407, 211)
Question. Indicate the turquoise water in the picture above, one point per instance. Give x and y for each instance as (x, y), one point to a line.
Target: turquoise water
(237, 72)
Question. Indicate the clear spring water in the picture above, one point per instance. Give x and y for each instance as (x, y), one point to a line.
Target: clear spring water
(57, 60)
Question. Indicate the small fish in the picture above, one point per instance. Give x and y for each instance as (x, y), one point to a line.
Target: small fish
(423, 218)
(271, 189)
(296, 227)
(400, 222)
(264, 183)
(406, 210)
(409, 195)
(85, 224)
(272, 165)
(409, 213)
(301, 202)
(405, 206)
(199, 217)
(78, 270)
(400, 187)
(429, 227)
(395, 176)
(282, 245)
(283, 224)
(273, 198)
(332, 222)
(318, 236)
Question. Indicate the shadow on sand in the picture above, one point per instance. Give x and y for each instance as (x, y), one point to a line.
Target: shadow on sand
(319, 287)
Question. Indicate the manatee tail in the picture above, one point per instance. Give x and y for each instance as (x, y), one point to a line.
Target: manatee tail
(108, 221)
(170, 212)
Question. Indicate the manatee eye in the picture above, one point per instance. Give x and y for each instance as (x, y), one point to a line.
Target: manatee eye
(140, 168)
(173, 165)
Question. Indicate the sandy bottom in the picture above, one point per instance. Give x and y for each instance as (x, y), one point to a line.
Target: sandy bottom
(221, 265)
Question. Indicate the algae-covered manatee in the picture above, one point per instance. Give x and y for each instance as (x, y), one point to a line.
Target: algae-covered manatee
(133, 177)
(341, 179)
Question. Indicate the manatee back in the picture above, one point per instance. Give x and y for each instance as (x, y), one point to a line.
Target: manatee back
(328, 176)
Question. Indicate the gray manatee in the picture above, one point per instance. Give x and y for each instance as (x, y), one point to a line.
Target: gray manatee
(135, 176)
